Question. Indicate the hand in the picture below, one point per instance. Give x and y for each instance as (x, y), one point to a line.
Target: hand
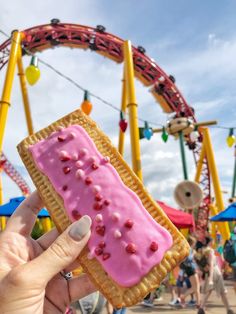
(30, 279)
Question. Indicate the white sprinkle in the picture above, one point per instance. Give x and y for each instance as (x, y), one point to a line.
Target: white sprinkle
(90, 255)
(115, 216)
(60, 128)
(83, 151)
(117, 234)
(79, 173)
(72, 135)
(79, 164)
(96, 189)
(63, 154)
(92, 159)
(98, 218)
(106, 159)
(75, 156)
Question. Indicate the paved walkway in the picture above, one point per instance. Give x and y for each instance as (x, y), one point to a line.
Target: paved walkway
(214, 305)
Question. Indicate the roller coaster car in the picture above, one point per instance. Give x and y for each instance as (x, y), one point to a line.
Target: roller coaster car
(158, 90)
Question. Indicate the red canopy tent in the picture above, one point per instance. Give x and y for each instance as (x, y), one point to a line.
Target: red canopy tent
(179, 218)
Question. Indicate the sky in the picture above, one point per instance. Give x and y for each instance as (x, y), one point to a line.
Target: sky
(193, 40)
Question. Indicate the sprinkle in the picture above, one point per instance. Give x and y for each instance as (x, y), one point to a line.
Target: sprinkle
(94, 166)
(98, 251)
(100, 230)
(97, 206)
(79, 164)
(106, 159)
(117, 234)
(75, 214)
(64, 156)
(60, 138)
(92, 159)
(115, 216)
(131, 248)
(83, 151)
(102, 244)
(75, 156)
(65, 187)
(96, 189)
(98, 197)
(66, 170)
(60, 128)
(98, 217)
(72, 135)
(90, 256)
(79, 173)
(154, 246)
(105, 256)
(88, 181)
(106, 202)
(129, 223)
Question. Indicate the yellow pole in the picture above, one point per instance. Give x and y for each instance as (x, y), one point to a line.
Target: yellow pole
(123, 109)
(132, 107)
(215, 178)
(2, 218)
(7, 87)
(200, 164)
(24, 92)
(46, 223)
(223, 227)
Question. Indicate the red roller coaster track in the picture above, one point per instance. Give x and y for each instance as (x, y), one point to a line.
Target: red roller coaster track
(10, 170)
(47, 36)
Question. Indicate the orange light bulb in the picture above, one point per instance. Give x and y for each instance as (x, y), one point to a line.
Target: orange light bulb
(86, 105)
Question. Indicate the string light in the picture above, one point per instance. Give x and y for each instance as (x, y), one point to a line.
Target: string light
(32, 72)
(86, 105)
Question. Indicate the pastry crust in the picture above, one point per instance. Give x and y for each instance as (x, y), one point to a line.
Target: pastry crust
(118, 296)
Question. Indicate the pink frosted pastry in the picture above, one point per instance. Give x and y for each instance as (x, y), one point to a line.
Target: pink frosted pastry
(133, 245)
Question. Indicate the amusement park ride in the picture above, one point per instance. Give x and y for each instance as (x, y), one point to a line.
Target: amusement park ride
(190, 195)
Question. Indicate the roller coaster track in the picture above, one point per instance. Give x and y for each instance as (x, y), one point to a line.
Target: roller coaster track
(163, 88)
(10, 170)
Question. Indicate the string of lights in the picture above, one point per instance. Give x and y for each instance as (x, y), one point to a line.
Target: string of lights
(77, 85)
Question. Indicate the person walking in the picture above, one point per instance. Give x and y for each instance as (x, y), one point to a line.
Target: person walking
(189, 268)
(213, 280)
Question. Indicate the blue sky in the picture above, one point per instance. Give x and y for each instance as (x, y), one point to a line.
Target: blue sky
(193, 40)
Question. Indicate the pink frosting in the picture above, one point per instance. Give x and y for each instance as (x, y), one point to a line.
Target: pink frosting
(125, 239)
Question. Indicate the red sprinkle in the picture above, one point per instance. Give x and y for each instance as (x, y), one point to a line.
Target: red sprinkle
(105, 256)
(100, 230)
(102, 244)
(94, 166)
(88, 180)
(154, 246)
(76, 214)
(65, 187)
(106, 202)
(65, 158)
(98, 251)
(60, 138)
(98, 197)
(129, 223)
(131, 248)
(97, 206)
(66, 170)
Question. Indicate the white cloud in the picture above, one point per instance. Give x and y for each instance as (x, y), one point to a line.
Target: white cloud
(53, 97)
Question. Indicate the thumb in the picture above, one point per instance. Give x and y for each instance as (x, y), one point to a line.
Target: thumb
(63, 251)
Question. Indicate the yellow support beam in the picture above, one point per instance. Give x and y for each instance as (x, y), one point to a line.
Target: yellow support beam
(121, 143)
(200, 164)
(7, 87)
(46, 223)
(215, 179)
(223, 227)
(133, 109)
(2, 219)
(24, 92)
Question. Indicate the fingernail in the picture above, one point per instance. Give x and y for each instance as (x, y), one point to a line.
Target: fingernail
(80, 228)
